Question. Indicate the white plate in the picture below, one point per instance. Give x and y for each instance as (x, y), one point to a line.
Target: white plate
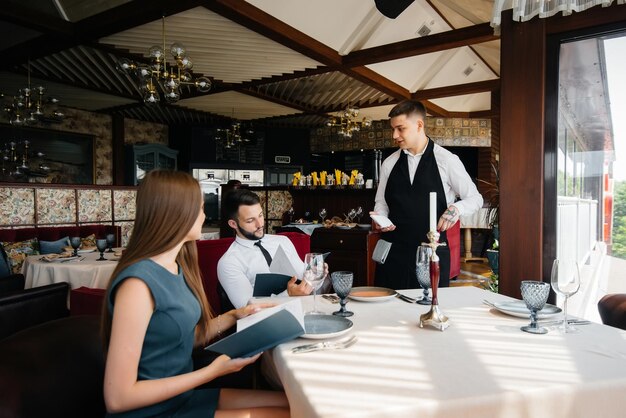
(319, 327)
(88, 250)
(518, 308)
(344, 227)
(371, 294)
(302, 223)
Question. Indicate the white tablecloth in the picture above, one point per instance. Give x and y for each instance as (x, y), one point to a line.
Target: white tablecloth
(481, 366)
(306, 228)
(87, 272)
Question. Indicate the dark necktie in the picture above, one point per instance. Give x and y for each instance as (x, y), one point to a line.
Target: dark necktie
(267, 255)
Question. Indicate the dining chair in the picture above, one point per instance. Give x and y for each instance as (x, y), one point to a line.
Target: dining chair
(612, 309)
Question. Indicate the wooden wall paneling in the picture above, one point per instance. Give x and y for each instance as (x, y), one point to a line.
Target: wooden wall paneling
(521, 152)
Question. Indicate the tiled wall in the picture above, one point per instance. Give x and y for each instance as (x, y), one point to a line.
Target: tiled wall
(450, 132)
(55, 206)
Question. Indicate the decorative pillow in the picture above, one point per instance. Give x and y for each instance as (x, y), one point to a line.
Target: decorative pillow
(88, 242)
(54, 247)
(18, 251)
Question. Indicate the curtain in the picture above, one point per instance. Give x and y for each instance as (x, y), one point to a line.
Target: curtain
(524, 10)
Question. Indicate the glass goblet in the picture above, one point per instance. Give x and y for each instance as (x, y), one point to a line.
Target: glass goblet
(565, 281)
(110, 241)
(342, 283)
(323, 214)
(535, 295)
(75, 243)
(422, 271)
(101, 245)
(359, 214)
(314, 276)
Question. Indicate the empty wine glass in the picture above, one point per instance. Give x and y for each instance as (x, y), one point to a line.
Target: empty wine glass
(323, 214)
(535, 295)
(75, 243)
(422, 271)
(351, 215)
(359, 214)
(565, 280)
(342, 283)
(101, 245)
(291, 213)
(314, 275)
(110, 241)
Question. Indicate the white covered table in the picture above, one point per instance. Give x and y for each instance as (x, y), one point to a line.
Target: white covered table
(477, 219)
(481, 366)
(87, 272)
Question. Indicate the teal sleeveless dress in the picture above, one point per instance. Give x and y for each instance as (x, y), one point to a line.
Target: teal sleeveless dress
(169, 340)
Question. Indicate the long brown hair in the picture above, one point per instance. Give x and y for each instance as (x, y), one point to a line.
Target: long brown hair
(168, 203)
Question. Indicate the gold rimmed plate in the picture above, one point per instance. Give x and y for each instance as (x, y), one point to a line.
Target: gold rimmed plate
(371, 294)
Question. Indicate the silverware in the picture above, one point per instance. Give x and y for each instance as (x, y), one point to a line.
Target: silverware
(406, 298)
(331, 298)
(560, 321)
(325, 345)
(486, 302)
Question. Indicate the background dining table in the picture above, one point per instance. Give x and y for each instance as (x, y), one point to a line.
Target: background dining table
(481, 366)
(85, 271)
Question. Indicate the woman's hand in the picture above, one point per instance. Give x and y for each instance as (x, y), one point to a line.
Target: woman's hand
(225, 365)
(250, 309)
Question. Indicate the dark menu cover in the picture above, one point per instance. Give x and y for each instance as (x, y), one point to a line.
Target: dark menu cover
(268, 284)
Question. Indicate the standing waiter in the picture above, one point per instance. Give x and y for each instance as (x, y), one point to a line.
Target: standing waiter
(407, 177)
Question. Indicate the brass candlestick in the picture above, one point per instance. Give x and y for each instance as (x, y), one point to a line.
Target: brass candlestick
(434, 317)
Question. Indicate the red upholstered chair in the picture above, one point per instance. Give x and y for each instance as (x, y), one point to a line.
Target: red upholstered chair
(454, 242)
(86, 301)
(301, 241)
(209, 253)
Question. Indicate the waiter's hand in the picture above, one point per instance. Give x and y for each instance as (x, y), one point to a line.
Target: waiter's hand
(377, 227)
(448, 219)
(298, 289)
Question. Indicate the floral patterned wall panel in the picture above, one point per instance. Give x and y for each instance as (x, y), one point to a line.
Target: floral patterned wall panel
(124, 204)
(55, 206)
(17, 206)
(136, 131)
(127, 230)
(94, 206)
(278, 203)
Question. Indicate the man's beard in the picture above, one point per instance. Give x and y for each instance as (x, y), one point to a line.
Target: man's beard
(249, 235)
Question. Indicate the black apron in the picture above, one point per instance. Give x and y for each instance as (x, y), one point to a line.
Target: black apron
(408, 210)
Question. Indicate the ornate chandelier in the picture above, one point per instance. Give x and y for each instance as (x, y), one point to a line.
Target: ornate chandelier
(235, 135)
(347, 122)
(160, 75)
(29, 106)
(19, 162)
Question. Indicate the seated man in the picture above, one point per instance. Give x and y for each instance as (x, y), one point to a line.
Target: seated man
(252, 250)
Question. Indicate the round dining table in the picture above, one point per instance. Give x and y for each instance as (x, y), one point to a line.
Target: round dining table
(83, 271)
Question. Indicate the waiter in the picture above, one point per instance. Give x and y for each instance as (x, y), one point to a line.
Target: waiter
(407, 177)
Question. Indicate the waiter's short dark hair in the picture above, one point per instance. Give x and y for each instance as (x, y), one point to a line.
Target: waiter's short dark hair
(408, 108)
(235, 198)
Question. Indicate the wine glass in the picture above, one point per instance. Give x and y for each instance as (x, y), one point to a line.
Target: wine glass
(323, 214)
(75, 243)
(422, 270)
(351, 215)
(110, 241)
(314, 275)
(359, 214)
(342, 283)
(101, 245)
(291, 213)
(535, 295)
(565, 280)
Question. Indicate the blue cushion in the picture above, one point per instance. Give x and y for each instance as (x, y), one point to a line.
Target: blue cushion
(5, 269)
(53, 247)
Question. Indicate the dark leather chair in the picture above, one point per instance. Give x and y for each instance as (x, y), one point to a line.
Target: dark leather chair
(28, 307)
(612, 309)
(53, 369)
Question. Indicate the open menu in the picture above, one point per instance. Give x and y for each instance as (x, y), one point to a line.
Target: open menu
(263, 330)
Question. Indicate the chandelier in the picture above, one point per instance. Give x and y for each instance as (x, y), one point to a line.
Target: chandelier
(20, 162)
(347, 122)
(235, 135)
(163, 76)
(30, 106)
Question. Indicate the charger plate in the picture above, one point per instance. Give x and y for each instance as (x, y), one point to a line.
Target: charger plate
(318, 327)
(518, 308)
(371, 294)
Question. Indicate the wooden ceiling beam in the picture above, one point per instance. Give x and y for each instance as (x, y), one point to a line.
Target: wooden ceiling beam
(456, 90)
(34, 20)
(255, 19)
(377, 81)
(432, 43)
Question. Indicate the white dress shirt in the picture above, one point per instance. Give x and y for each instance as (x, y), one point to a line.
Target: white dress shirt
(456, 181)
(238, 267)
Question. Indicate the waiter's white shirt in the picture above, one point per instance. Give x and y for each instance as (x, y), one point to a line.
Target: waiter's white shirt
(238, 267)
(456, 181)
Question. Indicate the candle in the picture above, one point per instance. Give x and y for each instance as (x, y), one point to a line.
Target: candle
(433, 211)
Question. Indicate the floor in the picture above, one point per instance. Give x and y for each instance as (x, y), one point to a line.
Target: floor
(473, 273)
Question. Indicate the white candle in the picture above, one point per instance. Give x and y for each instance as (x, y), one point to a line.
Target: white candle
(433, 211)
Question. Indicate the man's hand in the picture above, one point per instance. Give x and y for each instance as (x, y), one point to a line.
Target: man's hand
(301, 289)
(448, 219)
(377, 227)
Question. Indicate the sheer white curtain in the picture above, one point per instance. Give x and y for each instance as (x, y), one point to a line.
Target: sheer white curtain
(524, 10)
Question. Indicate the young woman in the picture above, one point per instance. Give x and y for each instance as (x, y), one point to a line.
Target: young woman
(156, 312)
